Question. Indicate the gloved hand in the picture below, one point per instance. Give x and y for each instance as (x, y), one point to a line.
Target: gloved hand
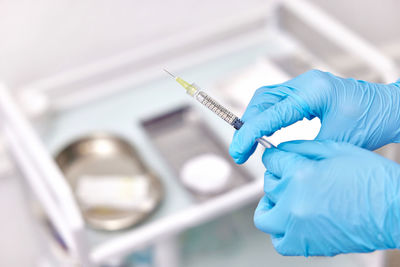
(326, 198)
(358, 112)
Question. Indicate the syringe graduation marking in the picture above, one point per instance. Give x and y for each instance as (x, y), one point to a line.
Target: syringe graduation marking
(215, 107)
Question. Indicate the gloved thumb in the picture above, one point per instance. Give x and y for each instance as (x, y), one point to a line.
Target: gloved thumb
(318, 149)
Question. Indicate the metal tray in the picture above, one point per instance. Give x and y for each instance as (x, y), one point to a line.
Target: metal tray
(104, 154)
(180, 135)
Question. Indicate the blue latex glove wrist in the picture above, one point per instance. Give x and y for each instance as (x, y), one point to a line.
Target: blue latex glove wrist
(358, 112)
(326, 198)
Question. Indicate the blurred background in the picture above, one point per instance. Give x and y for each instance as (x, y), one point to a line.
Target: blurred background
(106, 161)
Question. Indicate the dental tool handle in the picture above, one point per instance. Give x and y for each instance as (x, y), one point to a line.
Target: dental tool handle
(264, 142)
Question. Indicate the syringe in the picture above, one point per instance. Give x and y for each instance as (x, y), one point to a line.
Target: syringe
(194, 91)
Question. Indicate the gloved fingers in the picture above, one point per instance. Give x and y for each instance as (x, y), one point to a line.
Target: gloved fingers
(270, 182)
(299, 240)
(279, 244)
(280, 163)
(268, 218)
(285, 248)
(245, 156)
(273, 186)
(296, 241)
(262, 99)
(280, 115)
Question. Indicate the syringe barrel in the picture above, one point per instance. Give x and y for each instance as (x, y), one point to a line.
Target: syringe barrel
(221, 111)
(218, 109)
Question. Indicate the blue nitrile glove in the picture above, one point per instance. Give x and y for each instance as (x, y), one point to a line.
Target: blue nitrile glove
(326, 198)
(362, 113)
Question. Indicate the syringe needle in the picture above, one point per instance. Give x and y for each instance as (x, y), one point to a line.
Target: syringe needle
(170, 73)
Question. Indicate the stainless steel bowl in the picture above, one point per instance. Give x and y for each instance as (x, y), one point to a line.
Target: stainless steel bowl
(102, 155)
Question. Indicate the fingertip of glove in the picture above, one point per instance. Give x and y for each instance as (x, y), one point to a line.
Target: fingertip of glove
(235, 154)
(239, 160)
(276, 242)
(238, 151)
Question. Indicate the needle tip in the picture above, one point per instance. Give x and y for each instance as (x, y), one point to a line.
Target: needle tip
(169, 73)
